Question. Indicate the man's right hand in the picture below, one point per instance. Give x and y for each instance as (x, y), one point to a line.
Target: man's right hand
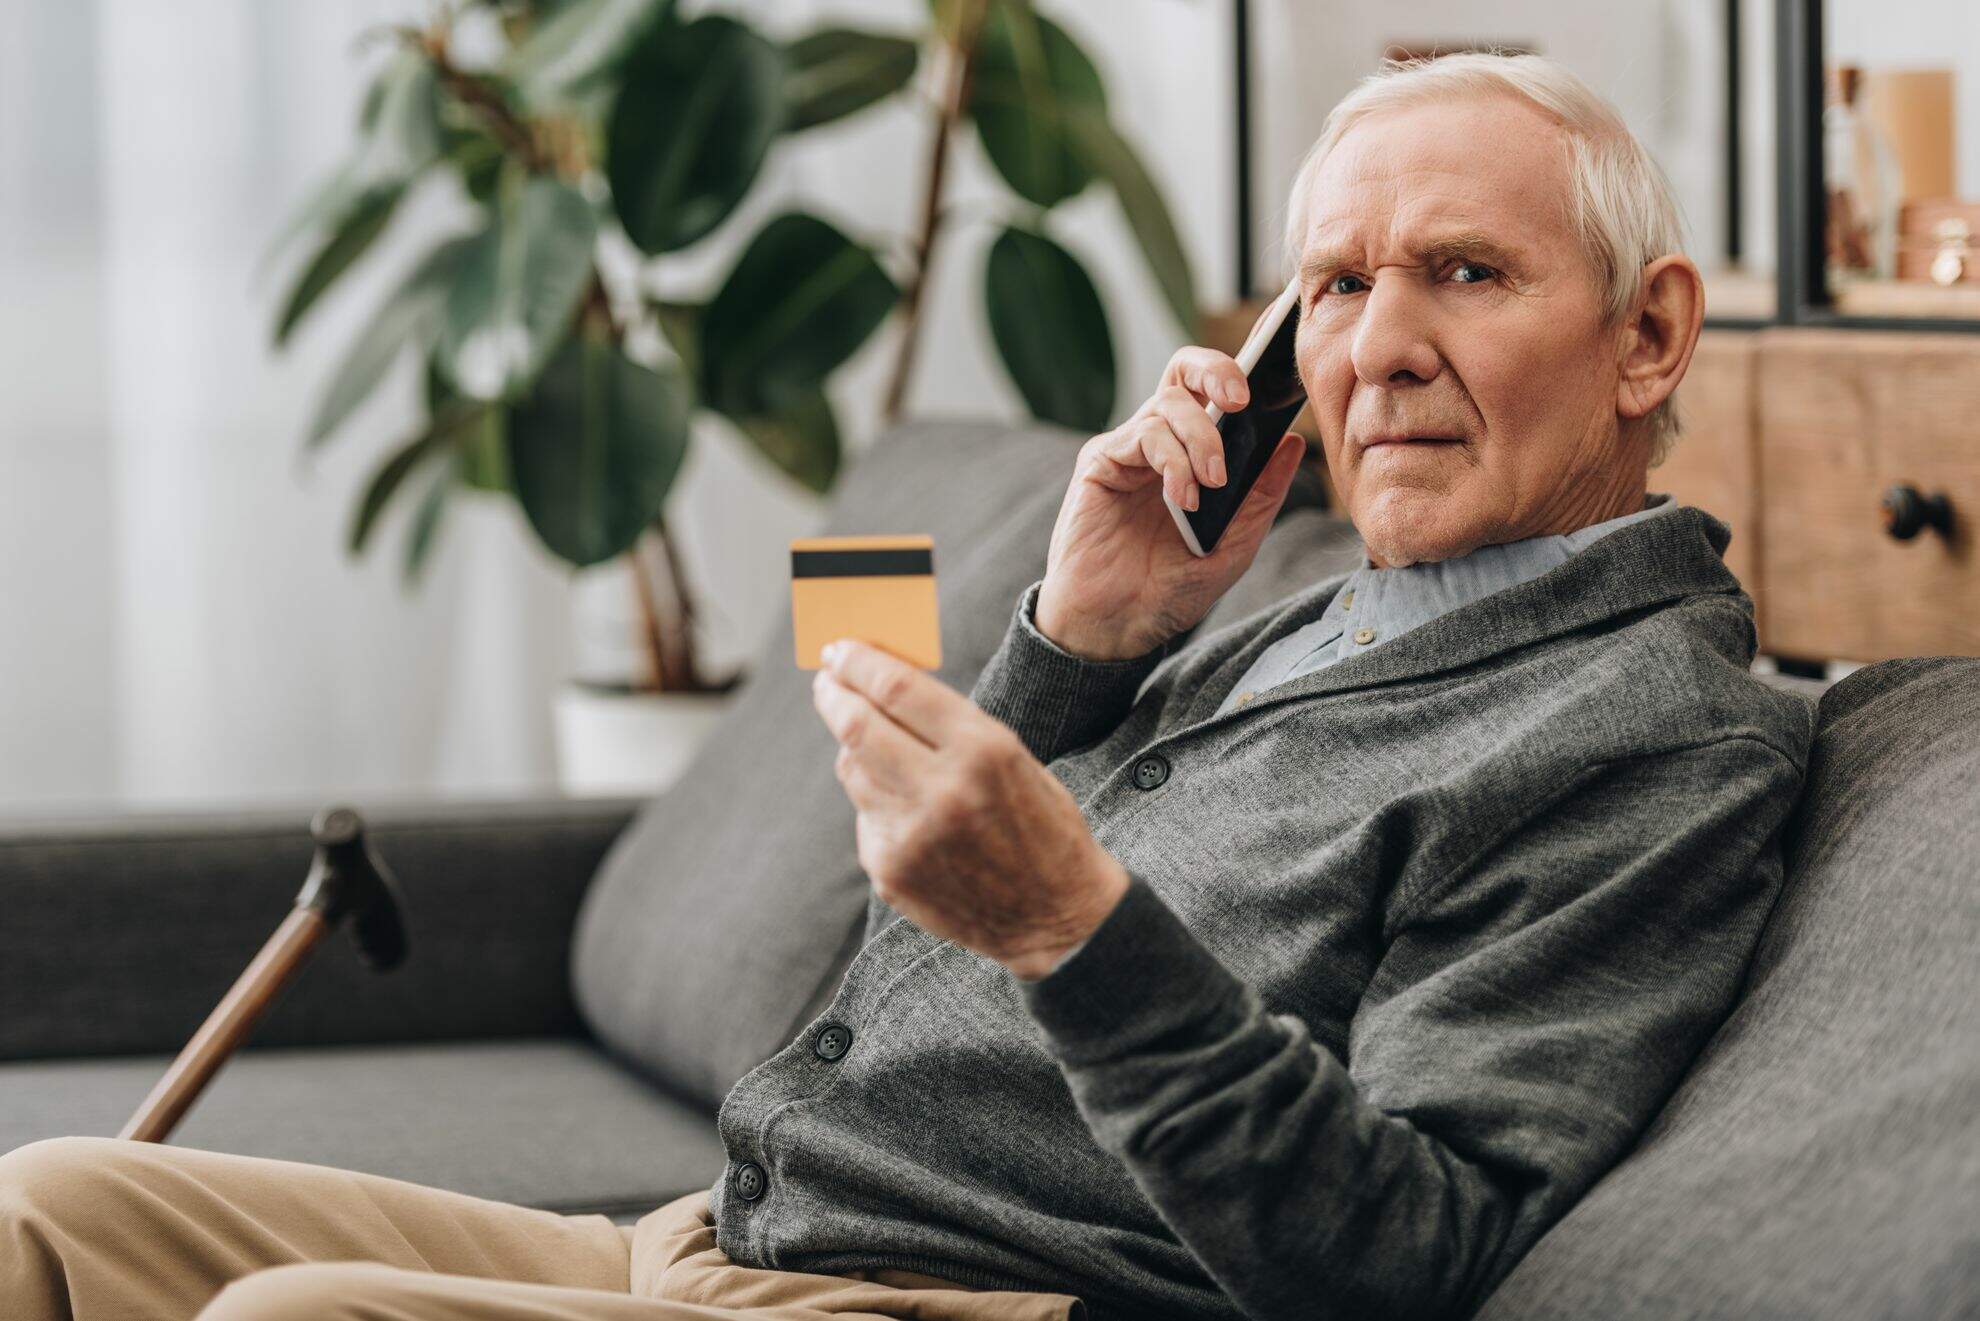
(1119, 581)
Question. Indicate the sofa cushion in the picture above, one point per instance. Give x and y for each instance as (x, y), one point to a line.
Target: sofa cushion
(730, 907)
(1822, 1159)
(545, 1122)
(174, 904)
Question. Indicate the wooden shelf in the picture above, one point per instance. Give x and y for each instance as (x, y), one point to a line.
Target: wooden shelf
(1907, 298)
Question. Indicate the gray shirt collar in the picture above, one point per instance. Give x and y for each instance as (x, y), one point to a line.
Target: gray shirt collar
(1390, 602)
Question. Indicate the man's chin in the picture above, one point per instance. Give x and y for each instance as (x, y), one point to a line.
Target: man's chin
(1413, 527)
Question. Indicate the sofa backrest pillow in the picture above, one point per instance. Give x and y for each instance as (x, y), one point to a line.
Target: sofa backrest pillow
(1822, 1158)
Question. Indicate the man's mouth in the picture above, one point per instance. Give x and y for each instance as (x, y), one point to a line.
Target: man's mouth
(1378, 442)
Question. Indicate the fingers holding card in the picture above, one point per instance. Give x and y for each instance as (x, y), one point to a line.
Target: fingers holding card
(877, 589)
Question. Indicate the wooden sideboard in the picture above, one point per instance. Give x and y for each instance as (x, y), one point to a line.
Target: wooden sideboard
(1794, 437)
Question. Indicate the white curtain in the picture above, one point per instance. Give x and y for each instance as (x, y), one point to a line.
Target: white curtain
(256, 660)
(183, 623)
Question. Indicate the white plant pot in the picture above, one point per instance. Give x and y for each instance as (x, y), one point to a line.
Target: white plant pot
(614, 743)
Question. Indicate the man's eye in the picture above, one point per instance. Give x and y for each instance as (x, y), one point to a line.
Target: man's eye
(1345, 284)
(1472, 272)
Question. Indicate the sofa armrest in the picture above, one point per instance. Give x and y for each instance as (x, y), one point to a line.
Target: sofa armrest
(119, 933)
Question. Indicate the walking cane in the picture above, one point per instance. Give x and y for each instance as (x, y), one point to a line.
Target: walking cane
(346, 880)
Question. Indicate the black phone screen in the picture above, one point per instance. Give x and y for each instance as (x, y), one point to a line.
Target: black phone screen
(1251, 434)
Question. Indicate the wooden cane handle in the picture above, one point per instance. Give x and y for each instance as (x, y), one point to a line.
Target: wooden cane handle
(227, 1026)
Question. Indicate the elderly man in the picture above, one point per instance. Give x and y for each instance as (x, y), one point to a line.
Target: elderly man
(1310, 968)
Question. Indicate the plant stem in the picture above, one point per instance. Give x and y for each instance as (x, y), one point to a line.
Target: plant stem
(688, 674)
(650, 630)
(957, 59)
(670, 649)
(485, 101)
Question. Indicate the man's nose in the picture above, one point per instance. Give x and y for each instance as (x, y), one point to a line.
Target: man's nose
(1392, 344)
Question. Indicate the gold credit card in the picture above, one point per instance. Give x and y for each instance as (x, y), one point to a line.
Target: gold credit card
(878, 590)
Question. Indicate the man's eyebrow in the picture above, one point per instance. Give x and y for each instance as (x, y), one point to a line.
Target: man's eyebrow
(1470, 243)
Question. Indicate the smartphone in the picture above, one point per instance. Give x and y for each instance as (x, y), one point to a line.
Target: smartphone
(1253, 432)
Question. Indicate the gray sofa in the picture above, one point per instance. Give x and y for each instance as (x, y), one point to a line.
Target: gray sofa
(588, 977)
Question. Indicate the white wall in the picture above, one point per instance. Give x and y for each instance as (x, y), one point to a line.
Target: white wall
(57, 715)
(1937, 34)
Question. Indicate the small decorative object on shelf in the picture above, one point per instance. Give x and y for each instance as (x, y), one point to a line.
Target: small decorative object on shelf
(1935, 241)
(1863, 182)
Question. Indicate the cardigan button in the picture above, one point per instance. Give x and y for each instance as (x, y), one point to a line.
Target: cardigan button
(750, 1181)
(834, 1040)
(1151, 771)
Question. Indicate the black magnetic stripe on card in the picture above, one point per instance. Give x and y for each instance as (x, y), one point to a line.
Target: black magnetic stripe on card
(861, 563)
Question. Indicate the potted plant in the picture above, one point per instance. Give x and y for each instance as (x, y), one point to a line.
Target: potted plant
(556, 376)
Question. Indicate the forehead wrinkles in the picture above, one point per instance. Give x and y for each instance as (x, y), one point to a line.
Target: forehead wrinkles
(1422, 167)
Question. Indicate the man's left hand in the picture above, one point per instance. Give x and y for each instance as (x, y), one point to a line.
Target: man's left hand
(960, 829)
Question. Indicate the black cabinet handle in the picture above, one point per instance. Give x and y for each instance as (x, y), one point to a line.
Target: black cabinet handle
(1907, 513)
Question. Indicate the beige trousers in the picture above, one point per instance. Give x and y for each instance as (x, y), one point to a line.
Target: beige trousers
(103, 1229)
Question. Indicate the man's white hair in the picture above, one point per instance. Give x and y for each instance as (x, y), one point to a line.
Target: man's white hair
(1619, 201)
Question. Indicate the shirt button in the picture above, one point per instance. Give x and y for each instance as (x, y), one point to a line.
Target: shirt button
(750, 1181)
(1242, 698)
(834, 1040)
(1150, 771)
(1347, 599)
(1364, 636)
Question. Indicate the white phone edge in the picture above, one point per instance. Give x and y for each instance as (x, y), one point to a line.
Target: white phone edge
(1247, 358)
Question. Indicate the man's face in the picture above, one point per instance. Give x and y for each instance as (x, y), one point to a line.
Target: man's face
(1452, 338)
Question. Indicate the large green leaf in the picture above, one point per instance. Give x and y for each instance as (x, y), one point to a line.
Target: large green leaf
(399, 135)
(390, 475)
(519, 284)
(1108, 153)
(802, 441)
(402, 132)
(349, 240)
(328, 199)
(411, 316)
(1050, 330)
(800, 300)
(699, 107)
(478, 159)
(681, 324)
(1030, 77)
(834, 72)
(595, 448)
(424, 528)
(578, 47)
(482, 447)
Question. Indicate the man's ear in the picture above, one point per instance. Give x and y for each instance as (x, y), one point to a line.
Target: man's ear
(1656, 347)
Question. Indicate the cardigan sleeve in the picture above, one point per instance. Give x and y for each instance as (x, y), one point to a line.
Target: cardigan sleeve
(1054, 700)
(1530, 1014)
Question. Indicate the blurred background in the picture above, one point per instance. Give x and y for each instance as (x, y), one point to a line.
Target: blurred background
(186, 620)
